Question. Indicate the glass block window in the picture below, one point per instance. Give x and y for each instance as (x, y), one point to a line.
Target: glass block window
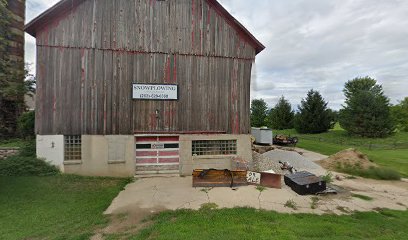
(214, 147)
(72, 147)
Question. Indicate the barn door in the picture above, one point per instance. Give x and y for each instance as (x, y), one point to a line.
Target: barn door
(157, 154)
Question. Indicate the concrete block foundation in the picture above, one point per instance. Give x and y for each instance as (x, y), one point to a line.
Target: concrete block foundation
(115, 155)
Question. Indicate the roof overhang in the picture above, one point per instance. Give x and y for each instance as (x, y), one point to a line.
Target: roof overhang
(65, 6)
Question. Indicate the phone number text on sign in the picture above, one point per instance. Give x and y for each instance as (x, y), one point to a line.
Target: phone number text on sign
(155, 91)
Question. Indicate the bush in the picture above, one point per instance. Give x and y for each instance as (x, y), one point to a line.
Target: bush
(328, 178)
(25, 124)
(28, 150)
(26, 164)
(399, 114)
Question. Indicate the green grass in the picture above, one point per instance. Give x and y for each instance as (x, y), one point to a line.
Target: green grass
(208, 206)
(363, 197)
(247, 223)
(328, 178)
(17, 142)
(54, 207)
(291, 204)
(314, 202)
(380, 173)
(390, 152)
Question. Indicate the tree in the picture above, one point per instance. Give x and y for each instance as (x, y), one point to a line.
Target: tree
(313, 115)
(334, 117)
(367, 110)
(399, 114)
(25, 124)
(281, 116)
(258, 112)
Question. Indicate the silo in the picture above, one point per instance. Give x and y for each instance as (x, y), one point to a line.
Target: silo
(12, 64)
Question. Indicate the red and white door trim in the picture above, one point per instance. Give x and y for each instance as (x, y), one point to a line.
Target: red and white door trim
(157, 154)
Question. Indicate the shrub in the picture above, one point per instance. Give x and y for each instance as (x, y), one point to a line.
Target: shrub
(28, 150)
(399, 114)
(26, 164)
(328, 178)
(25, 124)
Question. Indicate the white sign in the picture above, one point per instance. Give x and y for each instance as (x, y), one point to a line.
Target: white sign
(157, 145)
(253, 177)
(155, 91)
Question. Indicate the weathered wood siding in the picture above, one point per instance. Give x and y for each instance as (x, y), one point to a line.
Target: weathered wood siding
(88, 59)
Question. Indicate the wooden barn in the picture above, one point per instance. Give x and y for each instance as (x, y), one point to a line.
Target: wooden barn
(129, 87)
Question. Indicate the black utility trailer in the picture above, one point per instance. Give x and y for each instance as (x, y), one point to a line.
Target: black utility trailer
(304, 183)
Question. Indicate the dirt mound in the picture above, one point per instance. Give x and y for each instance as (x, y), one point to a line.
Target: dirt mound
(346, 158)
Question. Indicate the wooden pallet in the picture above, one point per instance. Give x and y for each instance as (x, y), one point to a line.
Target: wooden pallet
(219, 178)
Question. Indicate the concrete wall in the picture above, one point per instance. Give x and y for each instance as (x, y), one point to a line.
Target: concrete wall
(51, 148)
(188, 162)
(112, 155)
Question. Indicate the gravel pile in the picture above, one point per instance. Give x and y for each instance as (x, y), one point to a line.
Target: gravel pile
(262, 163)
(270, 160)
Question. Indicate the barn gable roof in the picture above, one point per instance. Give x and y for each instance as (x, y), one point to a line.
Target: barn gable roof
(64, 6)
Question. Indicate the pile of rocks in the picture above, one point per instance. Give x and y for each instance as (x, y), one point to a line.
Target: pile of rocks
(262, 163)
(270, 161)
(8, 152)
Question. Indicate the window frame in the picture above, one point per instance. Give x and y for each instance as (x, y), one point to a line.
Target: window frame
(72, 148)
(223, 147)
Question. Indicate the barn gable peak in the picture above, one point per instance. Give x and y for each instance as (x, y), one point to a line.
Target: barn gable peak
(64, 6)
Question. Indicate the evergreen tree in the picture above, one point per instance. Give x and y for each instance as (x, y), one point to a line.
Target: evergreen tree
(258, 112)
(367, 110)
(313, 115)
(281, 116)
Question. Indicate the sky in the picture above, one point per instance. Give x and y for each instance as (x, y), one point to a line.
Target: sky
(314, 44)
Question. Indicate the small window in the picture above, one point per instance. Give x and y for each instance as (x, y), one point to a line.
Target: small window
(72, 147)
(214, 147)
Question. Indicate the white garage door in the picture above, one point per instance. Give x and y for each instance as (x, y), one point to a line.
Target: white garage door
(157, 154)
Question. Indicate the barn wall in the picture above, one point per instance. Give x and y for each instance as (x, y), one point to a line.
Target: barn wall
(171, 26)
(88, 58)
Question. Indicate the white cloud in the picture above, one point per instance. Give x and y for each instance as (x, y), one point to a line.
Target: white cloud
(321, 44)
(33, 9)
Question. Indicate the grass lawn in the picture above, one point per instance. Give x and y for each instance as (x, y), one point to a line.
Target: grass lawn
(390, 152)
(57, 207)
(246, 223)
(16, 142)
